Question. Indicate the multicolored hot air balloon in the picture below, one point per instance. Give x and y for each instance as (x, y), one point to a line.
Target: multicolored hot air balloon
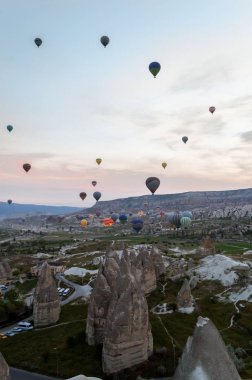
(26, 167)
(83, 195)
(152, 184)
(212, 109)
(94, 183)
(9, 127)
(38, 42)
(97, 195)
(185, 221)
(137, 224)
(154, 68)
(84, 223)
(104, 40)
(164, 164)
(123, 218)
(9, 201)
(98, 161)
(185, 139)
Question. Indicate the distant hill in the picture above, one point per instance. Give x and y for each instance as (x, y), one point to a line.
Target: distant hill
(21, 210)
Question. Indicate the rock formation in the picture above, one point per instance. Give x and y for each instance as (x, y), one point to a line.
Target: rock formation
(4, 369)
(205, 356)
(46, 304)
(118, 311)
(5, 272)
(184, 297)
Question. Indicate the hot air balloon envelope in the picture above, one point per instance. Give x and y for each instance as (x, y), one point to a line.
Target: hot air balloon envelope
(97, 195)
(83, 195)
(94, 183)
(123, 218)
(154, 68)
(26, 167)
(185, 221)
(152, 183)
(104, 40)
(9, 127)
(212, 109)
(84, 223)
(137, 224)
(185, 139)
(9, 201)
(164, 164)
(98, 161)
(38, 42)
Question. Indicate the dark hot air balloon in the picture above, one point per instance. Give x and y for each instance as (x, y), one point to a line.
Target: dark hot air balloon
(164, 164)
(185, 139)
(83, 195)
(212, 109)
(9, 201)
(137, 224)
(98, 161)
(97, 195)
(26, 167)
(176, 220)
(153, 184)
(154, 68)
(114, 216)
(9, 127)
(38, 42)
(94, 183)
(104, 40)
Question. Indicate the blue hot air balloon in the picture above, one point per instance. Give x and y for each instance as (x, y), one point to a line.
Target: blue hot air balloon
(97, 195)
(123, 218)
(137, 224)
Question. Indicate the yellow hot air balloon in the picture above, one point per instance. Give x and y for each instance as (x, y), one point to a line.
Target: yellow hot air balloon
(98, 161)
(164, 164)
(83, 223)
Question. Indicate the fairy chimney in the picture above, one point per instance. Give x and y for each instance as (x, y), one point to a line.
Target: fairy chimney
(46, 303)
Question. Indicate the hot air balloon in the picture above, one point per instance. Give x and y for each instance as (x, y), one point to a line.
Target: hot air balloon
(123, 218)
(9, 127)
(26, 167)
(104, 40)
(97, 214)
(107, 222)
(9, 201)
(98, 161)
(137, 224)
(94, 183)
(164, 164)
(83, 195)
(97, 195)
(212, 109)
(185, 139)
(154, 68)
(38, 42)
(188, 214)
(84, 223)
(114, 216)
(176, 219)
(185, 221)
(169, 216)
(153, 184)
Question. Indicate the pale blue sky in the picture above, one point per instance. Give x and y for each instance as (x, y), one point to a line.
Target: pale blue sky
(71, 100)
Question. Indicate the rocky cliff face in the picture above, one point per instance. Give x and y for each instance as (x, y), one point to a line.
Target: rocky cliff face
(46, 303)
(4, 369)
(5, 271)
(118, 311)
(205, 356)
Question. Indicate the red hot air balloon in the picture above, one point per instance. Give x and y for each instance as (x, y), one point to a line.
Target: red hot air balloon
(212, 109)
(94, 183)
(83, 195)
(153, 184)
(26, 167)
